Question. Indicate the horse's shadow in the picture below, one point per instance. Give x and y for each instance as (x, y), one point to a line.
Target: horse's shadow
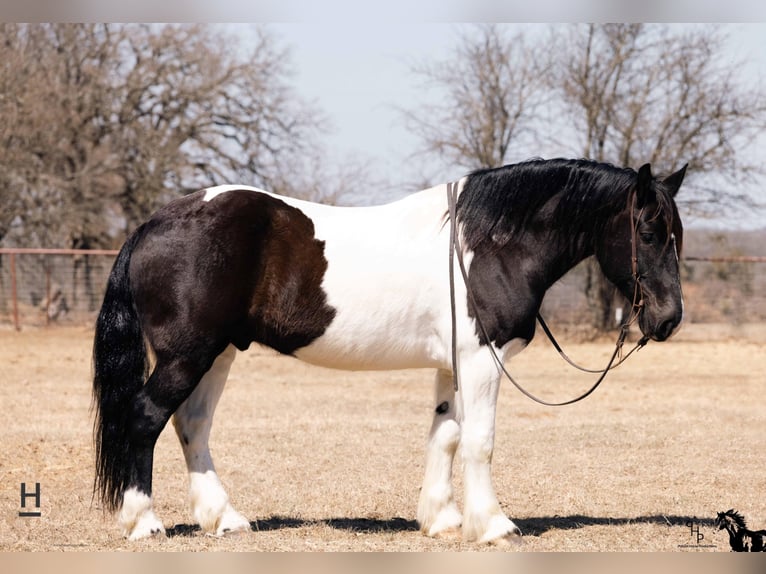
(363, 525)
(536, 526)
(533, 526)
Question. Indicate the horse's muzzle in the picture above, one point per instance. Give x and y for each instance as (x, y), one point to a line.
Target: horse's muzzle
(661, 329)
(665, 330)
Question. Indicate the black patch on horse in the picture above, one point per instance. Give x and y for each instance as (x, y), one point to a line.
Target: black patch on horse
(244, 267)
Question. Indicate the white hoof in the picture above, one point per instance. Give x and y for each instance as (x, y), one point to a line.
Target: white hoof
(137, 519)
(146, 526)
(149, 525)
(447, 521)
(220, 519)
(231, 522)
(500, 531)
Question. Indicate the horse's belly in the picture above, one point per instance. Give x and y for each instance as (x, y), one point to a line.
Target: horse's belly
(351, 358)
(359, 342)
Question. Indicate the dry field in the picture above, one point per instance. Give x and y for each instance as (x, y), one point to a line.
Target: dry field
(329, 460)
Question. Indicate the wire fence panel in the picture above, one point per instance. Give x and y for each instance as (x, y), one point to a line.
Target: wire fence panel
(45, 287)
(716, 290)
(40, 287)
(725, 289)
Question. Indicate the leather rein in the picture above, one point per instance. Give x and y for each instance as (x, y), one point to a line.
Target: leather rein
(637, 306)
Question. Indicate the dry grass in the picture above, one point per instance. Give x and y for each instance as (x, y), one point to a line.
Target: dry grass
(331, 460)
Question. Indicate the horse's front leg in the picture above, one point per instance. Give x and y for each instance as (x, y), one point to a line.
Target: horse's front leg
(483, 519)
(437, 512)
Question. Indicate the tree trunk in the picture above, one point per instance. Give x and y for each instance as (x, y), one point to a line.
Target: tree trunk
(609, 308)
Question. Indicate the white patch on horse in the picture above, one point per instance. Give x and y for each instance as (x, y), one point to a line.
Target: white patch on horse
(137, 519)
(483, 518)
(210, 505)
(209, 502)
(437, 510)
(398, 251)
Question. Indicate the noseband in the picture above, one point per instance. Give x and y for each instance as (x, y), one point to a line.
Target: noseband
(636, 307)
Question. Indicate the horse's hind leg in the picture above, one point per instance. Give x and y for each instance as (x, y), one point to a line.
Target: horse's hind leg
(437, 511)
(209, 502)
(170, 383)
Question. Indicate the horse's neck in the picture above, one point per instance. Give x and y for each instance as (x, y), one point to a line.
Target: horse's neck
(558, 257)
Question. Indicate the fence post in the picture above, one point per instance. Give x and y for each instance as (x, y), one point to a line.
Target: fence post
(14, 297)
(47, 291)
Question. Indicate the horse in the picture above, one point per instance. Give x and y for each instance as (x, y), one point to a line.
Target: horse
(740, 538)
(361, 288)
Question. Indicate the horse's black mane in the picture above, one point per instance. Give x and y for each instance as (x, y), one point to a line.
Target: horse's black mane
(499, 203)
(736, 517)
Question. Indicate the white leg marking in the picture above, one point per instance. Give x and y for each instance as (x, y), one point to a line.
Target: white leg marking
(483, 519)
(210, 505)
(137, 519)
(193, 420)
(437, 511)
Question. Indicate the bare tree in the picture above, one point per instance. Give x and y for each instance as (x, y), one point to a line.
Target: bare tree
(493, 84)
(648, 93)
(661, 94)
(621, 93)
(103, 123)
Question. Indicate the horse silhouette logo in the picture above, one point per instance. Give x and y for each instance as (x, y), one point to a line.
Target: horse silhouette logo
(741, 539)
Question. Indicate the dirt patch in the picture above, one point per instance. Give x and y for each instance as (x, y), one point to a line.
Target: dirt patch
(331, 460)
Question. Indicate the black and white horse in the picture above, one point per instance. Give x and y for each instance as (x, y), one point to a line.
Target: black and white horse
(741, 539)
(360, 288)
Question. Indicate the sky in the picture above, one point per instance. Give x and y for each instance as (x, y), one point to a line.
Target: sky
(359, 74)
(353, 58)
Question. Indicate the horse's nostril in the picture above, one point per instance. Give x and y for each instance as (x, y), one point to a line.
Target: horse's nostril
(665, 329)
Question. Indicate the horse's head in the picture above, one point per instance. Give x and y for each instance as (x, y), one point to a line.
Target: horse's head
(729, 519)
(721, 520)
(640, 249)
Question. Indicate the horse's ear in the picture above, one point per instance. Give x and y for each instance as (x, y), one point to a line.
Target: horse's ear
(644, 193)
(674, 180)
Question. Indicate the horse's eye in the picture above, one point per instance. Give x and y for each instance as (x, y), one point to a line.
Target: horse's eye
(647, 237)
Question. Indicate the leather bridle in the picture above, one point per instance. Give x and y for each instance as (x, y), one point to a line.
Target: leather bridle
(637, 306)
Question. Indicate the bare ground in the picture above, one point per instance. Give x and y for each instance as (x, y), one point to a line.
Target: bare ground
(331, 460)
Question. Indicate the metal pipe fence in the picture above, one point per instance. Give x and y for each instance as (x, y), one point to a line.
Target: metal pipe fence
(52, 286)
(47, 287)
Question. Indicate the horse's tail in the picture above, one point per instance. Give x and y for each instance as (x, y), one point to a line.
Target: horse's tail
(120, 367)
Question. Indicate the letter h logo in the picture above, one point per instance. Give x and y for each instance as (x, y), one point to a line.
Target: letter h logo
(35, 496)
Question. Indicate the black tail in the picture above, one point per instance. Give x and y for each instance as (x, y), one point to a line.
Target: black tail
(120, 367)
